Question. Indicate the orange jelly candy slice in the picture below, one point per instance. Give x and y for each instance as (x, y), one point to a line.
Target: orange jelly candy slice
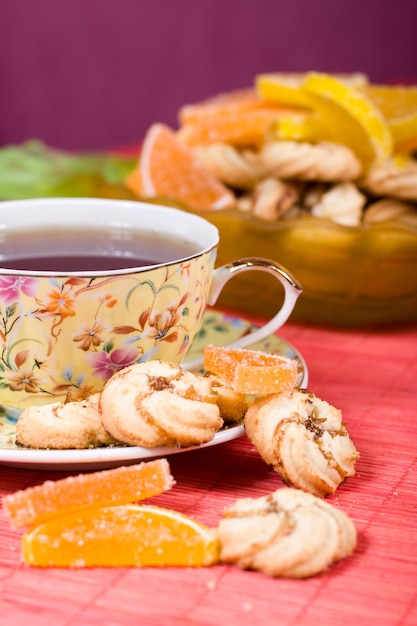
(168, 169)
(121, 536)
(121, 485)
(251, 371)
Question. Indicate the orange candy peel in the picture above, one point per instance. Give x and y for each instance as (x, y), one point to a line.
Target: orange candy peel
(251, 371)
(121, 536)
(238, 128)
(35, 505)
(229, 102)
(239, 117)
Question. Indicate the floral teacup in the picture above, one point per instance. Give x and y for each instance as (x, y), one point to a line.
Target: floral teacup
(66, 326)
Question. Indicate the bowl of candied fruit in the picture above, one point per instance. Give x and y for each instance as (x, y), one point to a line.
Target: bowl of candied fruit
(315, 171)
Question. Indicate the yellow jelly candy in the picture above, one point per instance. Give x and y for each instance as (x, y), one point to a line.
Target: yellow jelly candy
(310, 128)
(399, 106)
(287, 88)
(350, 117)
(283, 88)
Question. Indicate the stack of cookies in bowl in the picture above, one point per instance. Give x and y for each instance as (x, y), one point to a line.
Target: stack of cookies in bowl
(315, 170)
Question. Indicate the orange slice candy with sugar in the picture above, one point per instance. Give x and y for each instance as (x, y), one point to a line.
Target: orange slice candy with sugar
(251, 371)
(121, 485)
(121, 536)
(168, 170)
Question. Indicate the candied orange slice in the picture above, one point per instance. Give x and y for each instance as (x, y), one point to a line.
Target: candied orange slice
(168, 169)
(251, 371)
(120, 536)
(121, 485)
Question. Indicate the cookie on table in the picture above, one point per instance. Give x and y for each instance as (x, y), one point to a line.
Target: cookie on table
(303, 438)
(288, 533)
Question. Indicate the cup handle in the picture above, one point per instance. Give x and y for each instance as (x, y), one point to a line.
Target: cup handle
(292, 291)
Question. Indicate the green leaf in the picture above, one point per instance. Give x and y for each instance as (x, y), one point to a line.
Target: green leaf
(10, 310)
(34, 170)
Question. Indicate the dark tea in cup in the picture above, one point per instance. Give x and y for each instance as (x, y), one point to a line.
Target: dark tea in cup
(81, 249)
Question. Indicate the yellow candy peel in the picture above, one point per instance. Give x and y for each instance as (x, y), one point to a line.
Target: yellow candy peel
(283, 89)
(398, 104)
(350, 117)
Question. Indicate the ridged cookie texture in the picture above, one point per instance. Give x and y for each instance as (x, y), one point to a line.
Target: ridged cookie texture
(396, 180)
(325, 161)
(60, 426)
(159, 404)
(288, 533)
(304, 439)
(232, 404)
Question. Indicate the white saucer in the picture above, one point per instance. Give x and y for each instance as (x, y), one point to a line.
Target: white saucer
(218, 328)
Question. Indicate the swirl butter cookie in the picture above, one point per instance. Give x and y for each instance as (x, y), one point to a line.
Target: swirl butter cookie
(396, 179)
(304, 440)
(158, 404)
(342, 203)
(325, 161)
(389, 209)
(270, 199)
(288, 533)
(62, 426)
(232, 404)
(236, 168)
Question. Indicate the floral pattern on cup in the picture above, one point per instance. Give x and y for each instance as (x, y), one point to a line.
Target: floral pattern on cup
(68, 335)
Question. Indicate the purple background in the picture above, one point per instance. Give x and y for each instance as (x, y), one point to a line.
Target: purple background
(96, 73)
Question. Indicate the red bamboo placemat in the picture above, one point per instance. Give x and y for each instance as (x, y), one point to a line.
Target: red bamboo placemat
(372, 377)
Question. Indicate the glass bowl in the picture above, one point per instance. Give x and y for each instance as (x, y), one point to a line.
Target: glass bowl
(351, 276)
